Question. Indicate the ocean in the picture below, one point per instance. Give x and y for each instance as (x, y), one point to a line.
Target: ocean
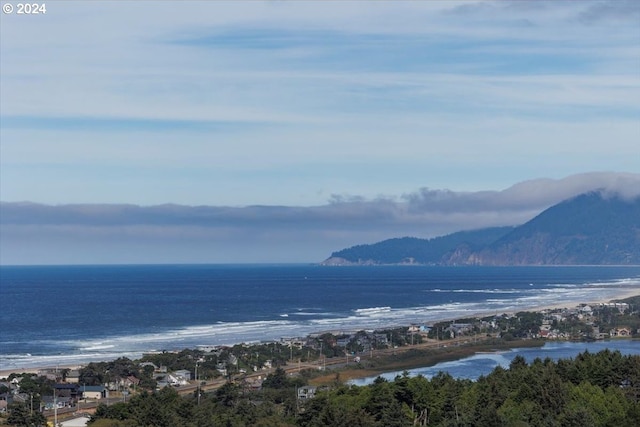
(65, 315)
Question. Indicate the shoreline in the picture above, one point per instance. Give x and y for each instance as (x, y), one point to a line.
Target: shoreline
(434, 358)
(626, 293)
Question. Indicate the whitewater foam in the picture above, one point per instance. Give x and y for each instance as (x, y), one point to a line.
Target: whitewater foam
(299, 319)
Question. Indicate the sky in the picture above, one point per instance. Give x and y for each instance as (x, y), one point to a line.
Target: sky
(280, 131)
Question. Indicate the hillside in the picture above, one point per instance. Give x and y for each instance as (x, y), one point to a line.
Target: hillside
(411, 250)
(590, 229)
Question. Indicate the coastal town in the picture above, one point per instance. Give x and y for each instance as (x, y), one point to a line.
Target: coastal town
(312, 362)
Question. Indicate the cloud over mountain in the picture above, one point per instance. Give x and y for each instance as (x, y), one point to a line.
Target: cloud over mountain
(95, 233)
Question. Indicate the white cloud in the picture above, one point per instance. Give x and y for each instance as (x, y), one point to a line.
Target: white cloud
(117, 102)
(34, 233)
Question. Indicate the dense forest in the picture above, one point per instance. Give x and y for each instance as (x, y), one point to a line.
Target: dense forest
(600, 389)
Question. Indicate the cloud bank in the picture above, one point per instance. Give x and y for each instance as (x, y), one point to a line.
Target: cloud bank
(122, 233)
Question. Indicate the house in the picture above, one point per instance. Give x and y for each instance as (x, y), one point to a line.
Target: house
(183, 373)
(296, 342)
(66, 390)
(232, 360)
(254, 384)
(50, 402)
(52, 374)
(621, 332)
(209, 348)
(131, 381)
(5, 399)
(307, 392)
(164, 380)
(73, 376)
(93, 392)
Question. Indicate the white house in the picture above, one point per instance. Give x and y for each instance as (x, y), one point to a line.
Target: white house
(93, 392)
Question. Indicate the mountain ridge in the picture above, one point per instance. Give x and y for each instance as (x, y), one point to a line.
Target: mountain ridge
(593, 228)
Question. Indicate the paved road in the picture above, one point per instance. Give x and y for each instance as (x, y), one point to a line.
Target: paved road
(334, 362)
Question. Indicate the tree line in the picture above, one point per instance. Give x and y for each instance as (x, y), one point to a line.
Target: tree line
(601, 389)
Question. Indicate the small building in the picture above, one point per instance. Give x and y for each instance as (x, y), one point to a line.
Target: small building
(254, 384)
(184, 373)
(66, 390)
(621, 332)
(297, 342)
(94, 392)
(131, 381)
(5, 399)
(73, 376)
(307, 392)
(51, 402)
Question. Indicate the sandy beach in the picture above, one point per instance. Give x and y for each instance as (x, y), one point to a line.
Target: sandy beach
(624, 293)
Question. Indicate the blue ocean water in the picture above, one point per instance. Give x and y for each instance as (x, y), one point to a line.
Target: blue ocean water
(60, 315)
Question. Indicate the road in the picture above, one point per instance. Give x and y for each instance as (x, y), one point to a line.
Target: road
(335, 362)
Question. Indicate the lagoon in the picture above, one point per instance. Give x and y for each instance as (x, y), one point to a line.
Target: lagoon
(479, 364)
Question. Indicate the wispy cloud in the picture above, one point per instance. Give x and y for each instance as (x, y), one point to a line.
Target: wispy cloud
(288, 102)
(36, 233)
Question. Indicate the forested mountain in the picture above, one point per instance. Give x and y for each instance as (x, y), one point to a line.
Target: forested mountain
(590, 229)
(411, 250)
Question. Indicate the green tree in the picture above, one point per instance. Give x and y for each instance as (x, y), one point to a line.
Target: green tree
(384, 407)
(278, 380)
(20, 415)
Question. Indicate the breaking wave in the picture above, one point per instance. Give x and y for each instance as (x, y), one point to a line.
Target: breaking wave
(302, 317)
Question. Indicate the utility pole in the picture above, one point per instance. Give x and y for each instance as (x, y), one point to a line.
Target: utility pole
(55, 407)
(197, 383)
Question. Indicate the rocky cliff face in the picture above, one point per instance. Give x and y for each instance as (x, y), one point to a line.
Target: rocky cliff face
(591, 229)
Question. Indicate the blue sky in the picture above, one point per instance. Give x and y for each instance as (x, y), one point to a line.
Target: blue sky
(303, 104)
